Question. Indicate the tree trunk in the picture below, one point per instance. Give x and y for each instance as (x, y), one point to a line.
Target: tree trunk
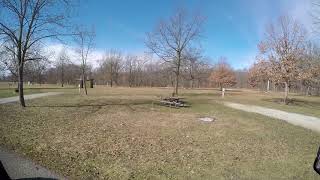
(191, 84)
(286, 92)
(111, 75)
(177, 74)
(85, 84)
(222, 92)
(62, 76)
(301, 87)
(177, 84)
(308, 91)
(20, 86)
(39, 79)
(268, 86)
(84, 80)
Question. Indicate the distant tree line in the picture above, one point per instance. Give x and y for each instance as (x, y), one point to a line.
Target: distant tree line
(116, 69)
(287, 61)
(119, 69)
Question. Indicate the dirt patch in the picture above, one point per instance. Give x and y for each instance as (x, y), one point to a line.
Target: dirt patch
(207, 119)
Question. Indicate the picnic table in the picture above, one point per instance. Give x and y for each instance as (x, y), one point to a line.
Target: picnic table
(174, 102)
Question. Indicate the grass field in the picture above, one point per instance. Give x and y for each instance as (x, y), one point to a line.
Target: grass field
(121, 133)
(7, 90)
(308, 105)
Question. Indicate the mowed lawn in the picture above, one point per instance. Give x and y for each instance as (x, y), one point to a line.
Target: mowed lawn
(121, 133)
(308, 105)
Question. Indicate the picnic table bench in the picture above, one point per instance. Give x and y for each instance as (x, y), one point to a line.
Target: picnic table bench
(174, 102)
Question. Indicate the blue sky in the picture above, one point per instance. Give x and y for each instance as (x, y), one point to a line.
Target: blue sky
(233, 28)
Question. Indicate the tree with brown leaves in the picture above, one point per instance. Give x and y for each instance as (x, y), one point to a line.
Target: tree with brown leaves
(309, 68)
(283, 47)
(223, 74)
(259, 74)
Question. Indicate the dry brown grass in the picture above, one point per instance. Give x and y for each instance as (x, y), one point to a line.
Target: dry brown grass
(7, 90)
(120, 133)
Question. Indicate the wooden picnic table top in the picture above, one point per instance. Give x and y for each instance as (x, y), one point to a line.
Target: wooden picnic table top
(174, 98)
(174, 102)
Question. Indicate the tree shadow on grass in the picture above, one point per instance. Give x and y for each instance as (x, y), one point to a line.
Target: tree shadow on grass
(129, 104)
(44, 88)
(200, 94)
(39, 88)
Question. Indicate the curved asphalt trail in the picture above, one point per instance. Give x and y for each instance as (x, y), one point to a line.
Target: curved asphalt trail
(18, 167)
(305, 121)
(27, 97)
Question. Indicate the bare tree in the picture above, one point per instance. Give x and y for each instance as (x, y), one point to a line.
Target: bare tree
(283, 48)
(24, 24)
(171, 38)
(85, 41)
(203, 73)
(130, 68)
(35, 70)
(71, 73)
(194, 66)
(8, 62)
(111, 65)
(223, 74)
(62, 60)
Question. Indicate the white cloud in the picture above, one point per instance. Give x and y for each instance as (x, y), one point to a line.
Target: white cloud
(52, 52)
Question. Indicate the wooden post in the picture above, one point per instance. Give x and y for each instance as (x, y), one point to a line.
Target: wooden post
(91, 83)
(308, 91)
(81, 83)
(286, 92)
(223, 90)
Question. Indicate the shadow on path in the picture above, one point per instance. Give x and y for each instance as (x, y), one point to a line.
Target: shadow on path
(293, 102)
(93, 105)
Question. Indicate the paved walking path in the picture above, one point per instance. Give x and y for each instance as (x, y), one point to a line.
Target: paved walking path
(308, 122)
(18, 167)
(27, 97)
